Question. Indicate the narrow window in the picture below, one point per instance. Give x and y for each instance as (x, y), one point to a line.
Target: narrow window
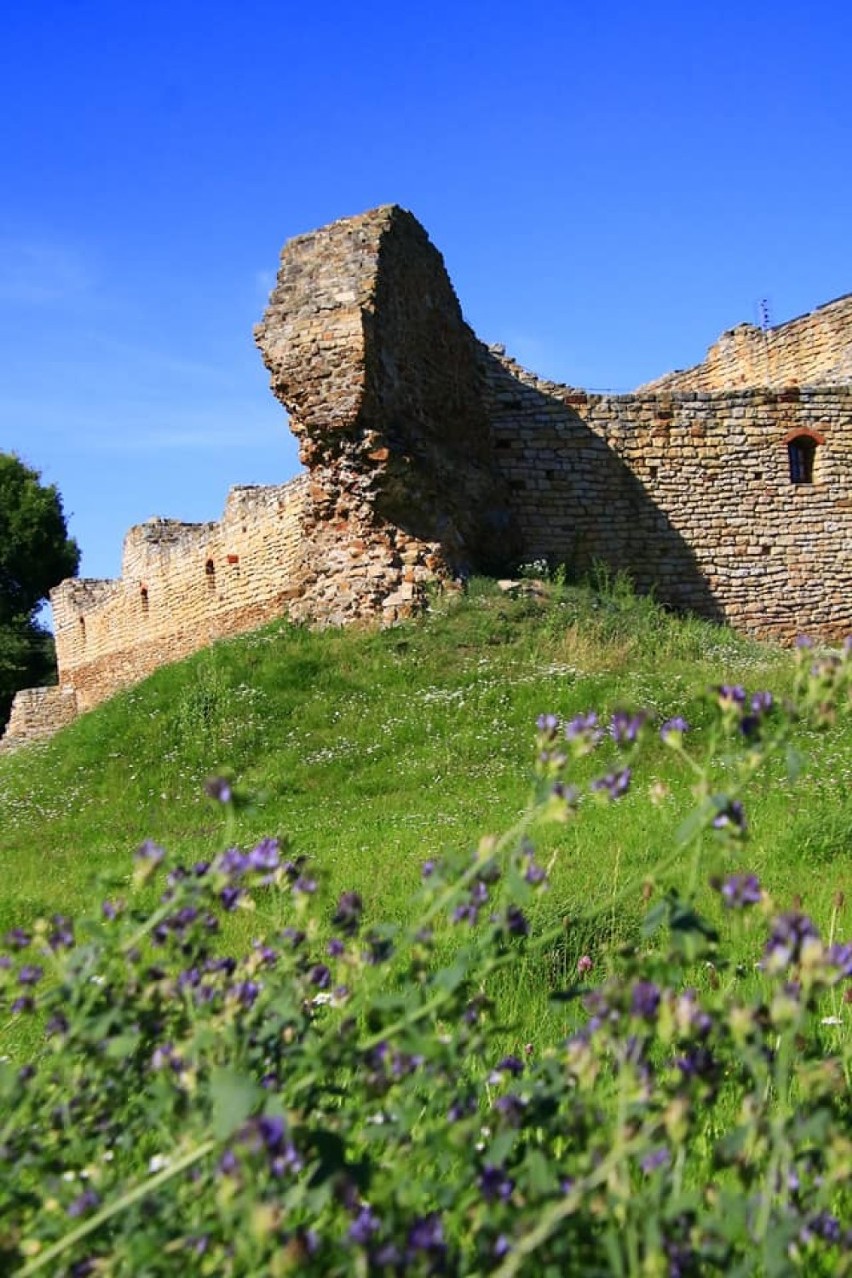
(801, 451)
(82, 621)
(210, 570)
(143, 596)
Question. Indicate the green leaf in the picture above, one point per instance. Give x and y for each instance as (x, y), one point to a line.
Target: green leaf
(121, 1045)
(8, 1079)
(234, 1096)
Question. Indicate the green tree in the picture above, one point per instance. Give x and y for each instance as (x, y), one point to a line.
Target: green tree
(36, 553)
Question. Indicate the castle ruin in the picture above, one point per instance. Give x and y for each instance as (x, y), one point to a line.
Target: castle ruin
(726, 489)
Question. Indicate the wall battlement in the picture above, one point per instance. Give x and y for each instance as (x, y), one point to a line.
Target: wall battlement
(727, 489)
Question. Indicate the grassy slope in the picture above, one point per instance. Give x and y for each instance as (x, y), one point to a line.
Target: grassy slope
(375, 750)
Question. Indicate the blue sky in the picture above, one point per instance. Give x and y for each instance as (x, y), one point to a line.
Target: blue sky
(611, 184)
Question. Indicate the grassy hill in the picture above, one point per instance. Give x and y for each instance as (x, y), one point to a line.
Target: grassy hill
(537, 1056)
(375, 750)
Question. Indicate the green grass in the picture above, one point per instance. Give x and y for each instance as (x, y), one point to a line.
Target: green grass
(373, 750)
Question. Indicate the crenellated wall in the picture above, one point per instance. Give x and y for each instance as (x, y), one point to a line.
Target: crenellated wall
(726, 489)
(181, 587)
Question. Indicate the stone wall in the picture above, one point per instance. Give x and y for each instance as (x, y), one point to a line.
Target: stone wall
(691, 494)
(37, 713)
(726, 489)
(811, 350)
(181, 587)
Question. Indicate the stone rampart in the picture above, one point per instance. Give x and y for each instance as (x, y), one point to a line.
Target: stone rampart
(182, 586)
(726, 489)
(691, 494)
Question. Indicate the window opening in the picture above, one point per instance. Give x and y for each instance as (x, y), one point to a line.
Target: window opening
(801, 451)
(143, 595)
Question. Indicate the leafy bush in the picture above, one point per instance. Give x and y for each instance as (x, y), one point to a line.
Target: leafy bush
(334, 1101)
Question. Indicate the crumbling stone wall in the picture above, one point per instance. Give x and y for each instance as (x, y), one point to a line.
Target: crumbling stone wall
(368, 351)
(429, 455)
(38, 713)
(811, 350)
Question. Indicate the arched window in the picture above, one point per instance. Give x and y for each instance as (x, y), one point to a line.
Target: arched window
(210, 571)
(801, 454)
(143, 597)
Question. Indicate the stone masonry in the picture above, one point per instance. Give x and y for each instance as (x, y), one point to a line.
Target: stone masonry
(726, 489)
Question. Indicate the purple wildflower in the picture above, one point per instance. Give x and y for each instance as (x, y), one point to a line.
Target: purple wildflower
(265, 857)
(494, 1184)
(740, 890)
(30, 974)
(625, 727)
(320, 976)
(17, 939)
(730, 815)
(87, 1201)
(62, 935)
(730, 695)
(365, 1224)
(839, 955)
(508, 1065)
(583, 732)
(534, 873)
(516, 921)
(427, 1235)
(644, 1000)
(247, 992)
(673, 729)
(653, 1159)
(233, 862)
(615, 784)
(219, 788)
(347, 915)
(150, 852)
(784, 947)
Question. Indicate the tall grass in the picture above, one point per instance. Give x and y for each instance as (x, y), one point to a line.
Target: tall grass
(373, 750)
